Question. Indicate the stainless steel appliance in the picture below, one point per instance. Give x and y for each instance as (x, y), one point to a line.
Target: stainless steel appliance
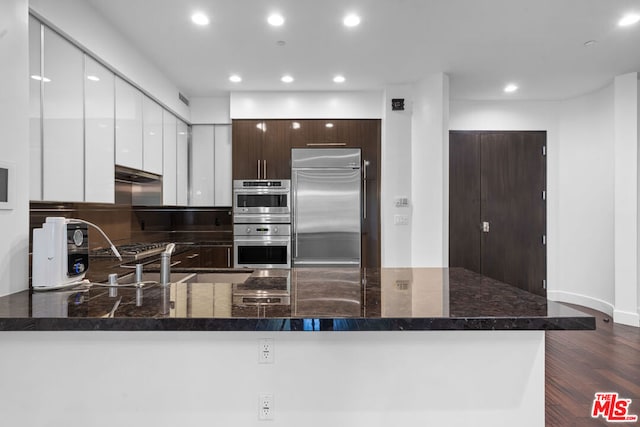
(261, 201)
(262, 245)
(326, 206)
(132, 251)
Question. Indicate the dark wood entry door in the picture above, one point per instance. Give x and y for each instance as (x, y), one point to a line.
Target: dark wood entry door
(497, 209)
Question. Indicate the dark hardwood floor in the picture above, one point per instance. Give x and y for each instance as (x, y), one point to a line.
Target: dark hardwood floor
(581, 363)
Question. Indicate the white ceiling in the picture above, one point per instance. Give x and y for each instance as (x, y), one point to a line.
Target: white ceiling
(480, 44)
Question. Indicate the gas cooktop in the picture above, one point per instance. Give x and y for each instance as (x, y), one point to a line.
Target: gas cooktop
(131, 251)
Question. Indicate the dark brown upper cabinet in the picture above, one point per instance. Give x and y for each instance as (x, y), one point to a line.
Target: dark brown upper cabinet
(261, 149)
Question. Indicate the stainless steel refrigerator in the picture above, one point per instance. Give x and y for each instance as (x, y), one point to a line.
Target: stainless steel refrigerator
(326, 207)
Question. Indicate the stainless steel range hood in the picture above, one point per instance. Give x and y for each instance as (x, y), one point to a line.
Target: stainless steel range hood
(135, 176)
(137, 188)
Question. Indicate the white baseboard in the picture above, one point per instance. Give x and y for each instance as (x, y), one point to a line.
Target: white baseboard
(619, 316)
(626, 318)
(584, 300)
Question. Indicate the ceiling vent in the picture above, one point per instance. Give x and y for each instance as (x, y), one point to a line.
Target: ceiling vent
(183, 99)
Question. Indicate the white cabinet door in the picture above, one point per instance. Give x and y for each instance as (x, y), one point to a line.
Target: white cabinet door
(128, 125)
(169, 178)
(222, 166)
(99, 100)
(35, 128)
(152, 140)
(202, 163)
(63, 151)
(182, 164)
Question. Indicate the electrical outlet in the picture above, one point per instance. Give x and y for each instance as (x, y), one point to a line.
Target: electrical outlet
(265, 407)
(266, 351)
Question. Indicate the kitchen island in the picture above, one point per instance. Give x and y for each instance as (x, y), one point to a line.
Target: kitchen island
(408, 347)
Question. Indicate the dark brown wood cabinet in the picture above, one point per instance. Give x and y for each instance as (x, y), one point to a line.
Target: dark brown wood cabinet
(203, 256)
(247, 141)
(497, 207)
(261, 149)
(216, 256)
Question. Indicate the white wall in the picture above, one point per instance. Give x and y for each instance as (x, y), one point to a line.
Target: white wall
(586, 210)
(14, 143)
(579, 186)
(396, 177)
(626, 199)
(78, 20)
(210, 110)
(430, 172)
(306, 105)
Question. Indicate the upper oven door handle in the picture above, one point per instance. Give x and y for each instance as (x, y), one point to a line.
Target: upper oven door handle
(267, 240)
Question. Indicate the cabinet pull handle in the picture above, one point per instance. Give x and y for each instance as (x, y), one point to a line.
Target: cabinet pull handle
(264, 169)
(258, 169)
(329, 144)
(228, 257)
(193, 256)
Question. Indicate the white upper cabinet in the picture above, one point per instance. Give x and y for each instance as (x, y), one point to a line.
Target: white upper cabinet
(182, 164)
(99, 124)
(202, 163)
(35, 129)
(211, 165)
(169, 178)
(63, 142)
(128, 125)
(222, 166)
(152, 139)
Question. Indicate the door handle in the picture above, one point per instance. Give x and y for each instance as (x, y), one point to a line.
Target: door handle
(258, 169)
(264, 169)
(228, 257)
(485, 226)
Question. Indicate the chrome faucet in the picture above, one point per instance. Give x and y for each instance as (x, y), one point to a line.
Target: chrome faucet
(165, 264)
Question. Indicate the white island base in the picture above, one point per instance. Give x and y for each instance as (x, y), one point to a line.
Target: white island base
(368, 379)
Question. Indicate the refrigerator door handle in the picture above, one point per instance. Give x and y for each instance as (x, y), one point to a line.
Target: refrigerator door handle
(364, 192)
(258, 169)
(294, 211)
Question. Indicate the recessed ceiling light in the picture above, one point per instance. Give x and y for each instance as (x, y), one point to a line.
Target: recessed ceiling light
(510, 88)
(351, 20)
(339, 79)
(629, 19)
(200, 18)
(287, 79)
(93, 78)
(275, 19)
(235, 78)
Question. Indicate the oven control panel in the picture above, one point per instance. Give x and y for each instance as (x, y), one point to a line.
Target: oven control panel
(262, 230)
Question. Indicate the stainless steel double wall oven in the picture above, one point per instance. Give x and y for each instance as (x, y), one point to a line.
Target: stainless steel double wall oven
(262, 223)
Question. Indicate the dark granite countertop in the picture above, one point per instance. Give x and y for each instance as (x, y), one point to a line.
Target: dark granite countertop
(300, 300)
